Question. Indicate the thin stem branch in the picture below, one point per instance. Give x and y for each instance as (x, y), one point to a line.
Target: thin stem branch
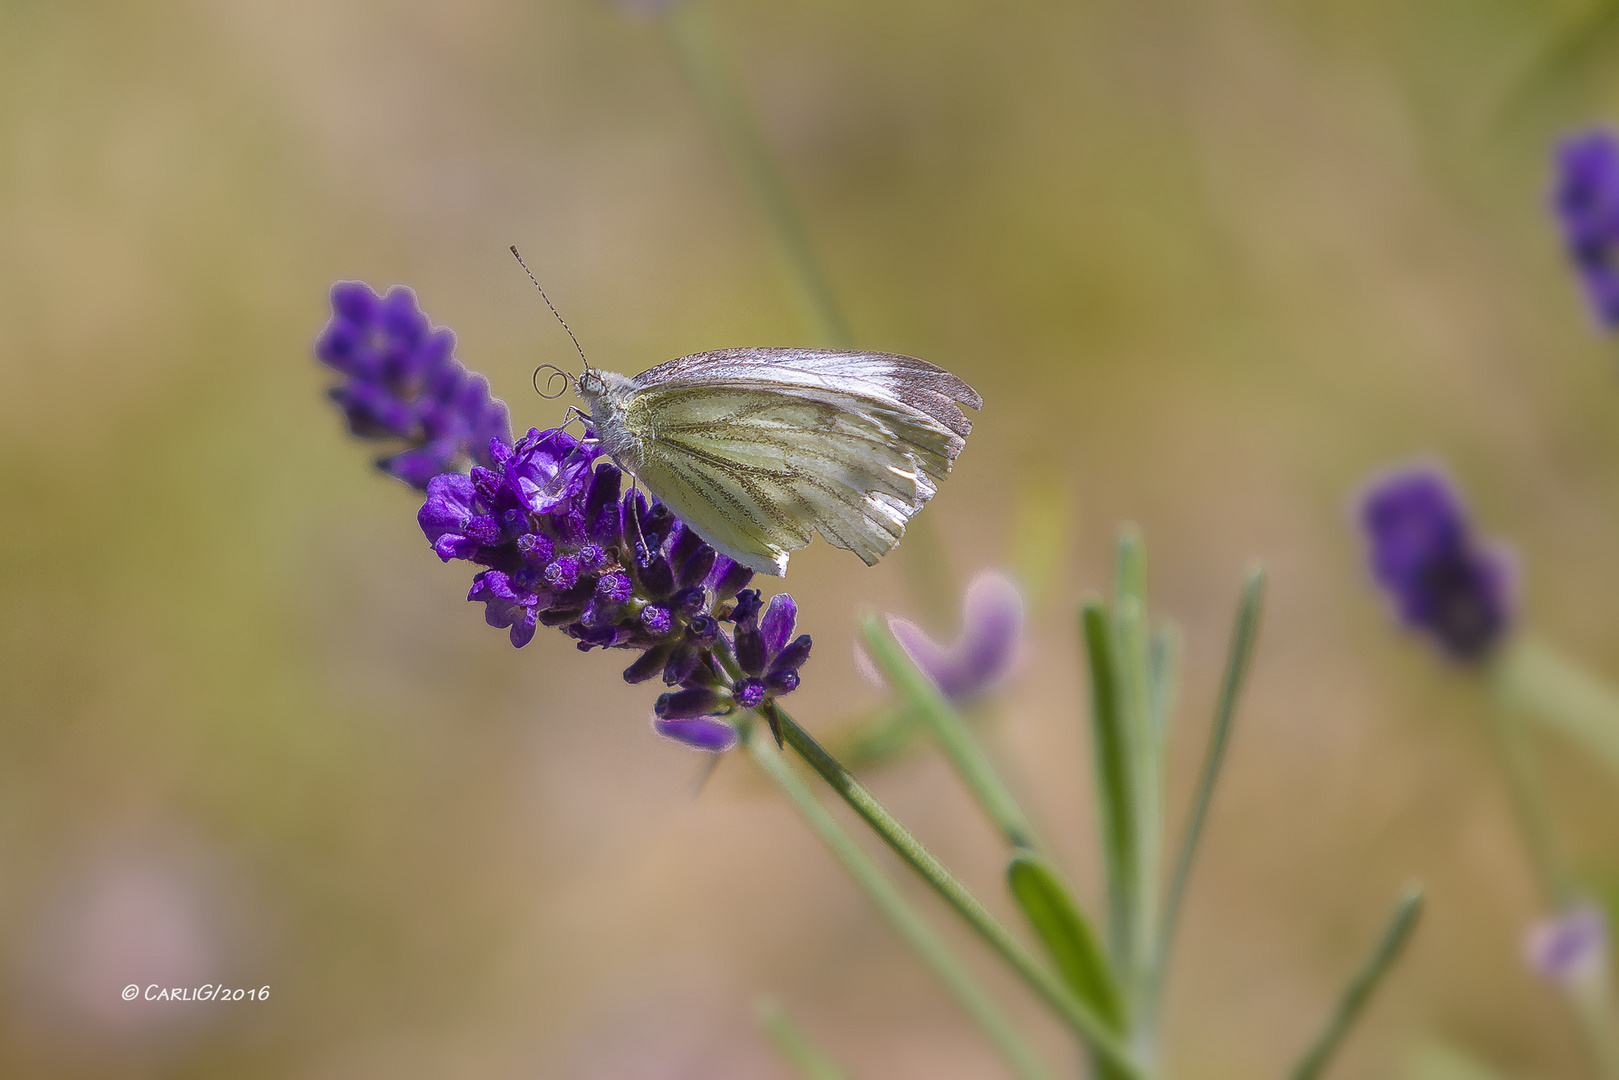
(1084, 1020)
(950, 732)
(1529, 804)
(1225, 715)
(807, 1059)
(717, 88)
(886, 898)
(1360, 988)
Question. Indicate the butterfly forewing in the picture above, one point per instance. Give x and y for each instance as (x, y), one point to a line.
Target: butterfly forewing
(759, 448)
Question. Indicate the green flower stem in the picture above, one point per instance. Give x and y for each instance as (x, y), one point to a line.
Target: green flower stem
(806, 1058)
(887, 899)
(949, 731)
(1225, 715)
(1360, 988)
(1531, 680)
(1548, 687)
(1084, 1020)
(717, 88)
(1529, 803)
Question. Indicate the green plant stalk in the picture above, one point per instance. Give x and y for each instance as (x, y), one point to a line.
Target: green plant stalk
(1591, 999)
(807, 1059)
(1360, 988)
(886, 898)
(949, 731)
(1046, 984)
(1530, 679)
(1115, 797)
(1546, 686)
(1238, 657)
(1529, 805)
(1165, 663)
(720, 93)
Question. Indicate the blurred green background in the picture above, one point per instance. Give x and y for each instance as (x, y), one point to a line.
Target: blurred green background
(1209, 262)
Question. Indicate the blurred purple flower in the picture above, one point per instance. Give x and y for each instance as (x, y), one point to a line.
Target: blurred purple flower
(558, 543)
(1585, 196)
(1569, 948)
(989, 646)
(1444, 582)
(403, 385)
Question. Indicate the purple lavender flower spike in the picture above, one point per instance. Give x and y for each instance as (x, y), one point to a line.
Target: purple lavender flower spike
(1443, 581)
(403, 385)
(699, 733)
(1570, 948)
(987, 649)
(556, 541)
(1585, 196)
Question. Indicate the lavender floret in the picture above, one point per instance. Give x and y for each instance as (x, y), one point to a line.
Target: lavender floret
(1585, 197)
(1443, 580)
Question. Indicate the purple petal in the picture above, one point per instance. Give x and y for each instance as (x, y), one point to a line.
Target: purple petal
(699, 733)
(777, 624)
(355, 301)
(792, 657)
(727, 578)
(992, 627)
(455, 546)
(990, 642)
(448, 507)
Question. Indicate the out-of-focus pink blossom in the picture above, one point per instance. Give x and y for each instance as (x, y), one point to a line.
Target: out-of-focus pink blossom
(1571, 948)
(989, 646)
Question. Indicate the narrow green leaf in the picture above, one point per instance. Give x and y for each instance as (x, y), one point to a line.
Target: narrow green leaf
(1360, 988)
(1238, 657)
(1562, 695)
(804, 1056)
(1164, 660)
(1130, 567)
(936, 713)
(1063, 929)
(1066, 933)
(1115, 781)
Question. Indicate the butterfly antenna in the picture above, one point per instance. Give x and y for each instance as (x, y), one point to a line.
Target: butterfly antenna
(553, 308)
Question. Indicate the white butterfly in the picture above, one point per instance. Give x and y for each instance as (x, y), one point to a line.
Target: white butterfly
(758, 449)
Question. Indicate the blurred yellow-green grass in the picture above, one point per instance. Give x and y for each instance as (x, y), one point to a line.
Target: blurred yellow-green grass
(1209, 263)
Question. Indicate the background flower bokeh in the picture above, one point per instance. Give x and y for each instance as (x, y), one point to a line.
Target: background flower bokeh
(1210, 265)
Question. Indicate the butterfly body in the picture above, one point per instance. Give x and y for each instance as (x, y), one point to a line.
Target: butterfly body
(759, 449)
